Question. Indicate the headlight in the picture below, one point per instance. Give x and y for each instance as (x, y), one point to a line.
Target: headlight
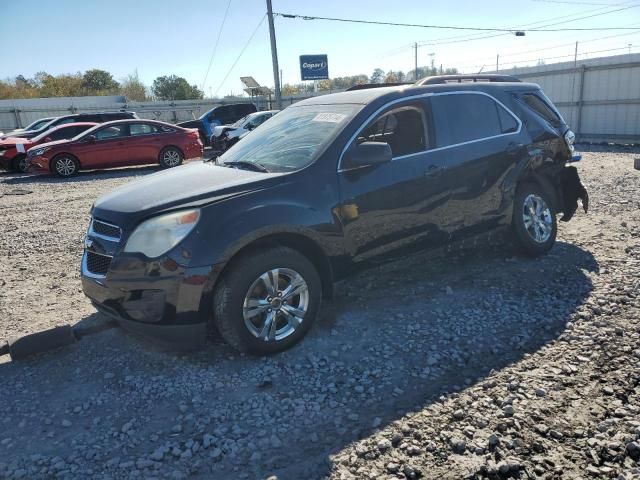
(160, 234)
(570, 138)
(2, 152)
(39, 151)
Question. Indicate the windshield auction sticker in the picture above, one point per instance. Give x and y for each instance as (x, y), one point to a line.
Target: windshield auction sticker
(329, 117)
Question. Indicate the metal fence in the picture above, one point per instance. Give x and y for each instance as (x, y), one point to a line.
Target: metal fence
(599, 97)
(21, 112)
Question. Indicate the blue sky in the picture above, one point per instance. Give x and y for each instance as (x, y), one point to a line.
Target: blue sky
(163, 37)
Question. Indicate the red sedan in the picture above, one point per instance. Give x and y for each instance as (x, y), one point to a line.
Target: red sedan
(118, 144)
(13, 150)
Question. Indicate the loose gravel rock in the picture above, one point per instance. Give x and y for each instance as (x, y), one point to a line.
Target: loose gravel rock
(477, 364)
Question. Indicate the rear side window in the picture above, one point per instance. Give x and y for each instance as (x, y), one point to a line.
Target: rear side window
(63, 133)
(538, 105)
(464, 117)
(402, 128)
(141, 129)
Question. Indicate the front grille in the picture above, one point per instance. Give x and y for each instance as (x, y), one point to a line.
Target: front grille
(106, 229)
(98, 264)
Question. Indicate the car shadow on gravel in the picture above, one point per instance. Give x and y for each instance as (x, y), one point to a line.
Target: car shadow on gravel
(397, 339)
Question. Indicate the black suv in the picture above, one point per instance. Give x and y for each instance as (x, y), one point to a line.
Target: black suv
(97, 117)
(253, 242)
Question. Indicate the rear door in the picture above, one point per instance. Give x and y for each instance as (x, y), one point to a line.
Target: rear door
(144, 142)
(480, 141)
(394, 206)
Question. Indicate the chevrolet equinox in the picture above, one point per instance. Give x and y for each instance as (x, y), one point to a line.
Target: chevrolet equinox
(251, 242)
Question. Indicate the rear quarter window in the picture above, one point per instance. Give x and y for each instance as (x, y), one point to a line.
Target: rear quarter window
(540, 106)
(466, 117)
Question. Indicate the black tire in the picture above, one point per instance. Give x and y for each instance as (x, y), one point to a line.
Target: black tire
(235, 285)
(170, 157)
(65, 165)
(536, 236)
(19, 164)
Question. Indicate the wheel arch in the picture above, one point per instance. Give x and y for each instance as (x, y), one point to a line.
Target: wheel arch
(64, 153)
(296, 241)
(170, 146)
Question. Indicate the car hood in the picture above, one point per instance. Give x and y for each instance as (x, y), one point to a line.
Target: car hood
(54, 143)
(21, 134)
(11, 141)
(192, 185)
(220, 129)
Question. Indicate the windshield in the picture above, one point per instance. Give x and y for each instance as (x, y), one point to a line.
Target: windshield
(86, 132)
(38, 123)
(42, 135)
(292, 139)
(241, 122)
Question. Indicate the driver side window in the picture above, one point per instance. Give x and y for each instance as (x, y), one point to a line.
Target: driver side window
(403, 128)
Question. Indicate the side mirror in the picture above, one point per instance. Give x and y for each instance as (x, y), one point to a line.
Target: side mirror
(366, 154)
(250, 126)
(47, 139)
(90, 139)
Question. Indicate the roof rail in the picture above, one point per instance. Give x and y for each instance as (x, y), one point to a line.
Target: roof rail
(363, 86)
(440, 79)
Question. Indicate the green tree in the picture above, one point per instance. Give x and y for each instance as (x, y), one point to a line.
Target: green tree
(132, 87)
(173, 87)
(99, 82)
(377, 76)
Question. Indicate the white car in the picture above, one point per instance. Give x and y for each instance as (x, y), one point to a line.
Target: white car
(224, 136)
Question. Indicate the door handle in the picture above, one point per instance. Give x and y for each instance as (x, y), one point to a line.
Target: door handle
(433, 171)
(513, 148)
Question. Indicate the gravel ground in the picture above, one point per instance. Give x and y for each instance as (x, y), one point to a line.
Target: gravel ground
(478, 364)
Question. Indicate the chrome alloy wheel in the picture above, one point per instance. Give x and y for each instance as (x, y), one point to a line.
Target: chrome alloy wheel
(275, 305)
(537, 217)
(65, 166)
(171, 158)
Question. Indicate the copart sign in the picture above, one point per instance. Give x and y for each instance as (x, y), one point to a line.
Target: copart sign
(314, 67)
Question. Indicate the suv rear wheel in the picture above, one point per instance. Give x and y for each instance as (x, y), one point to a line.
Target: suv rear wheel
(534, 219)
(267, 301)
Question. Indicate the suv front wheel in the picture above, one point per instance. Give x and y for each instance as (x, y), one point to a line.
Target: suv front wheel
(534, 220)
(267, 301)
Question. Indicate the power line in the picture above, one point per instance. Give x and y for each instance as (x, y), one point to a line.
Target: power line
(563, 45)
(241, 52)
(564, 18)
(447, 27)
(550, 58)
(215, 47)
(578, 3)
(543, 29)
(467, 37)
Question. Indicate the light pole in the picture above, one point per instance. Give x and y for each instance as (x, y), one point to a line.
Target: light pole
(274, 56)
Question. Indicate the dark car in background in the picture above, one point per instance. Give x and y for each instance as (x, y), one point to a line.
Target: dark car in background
(225, 136)
(221, 115)
(95, 117)
(13, 150)
(331, 184)
(117, 144)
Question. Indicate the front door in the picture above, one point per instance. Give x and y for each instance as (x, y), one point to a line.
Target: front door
(107, 150)
(398, 205)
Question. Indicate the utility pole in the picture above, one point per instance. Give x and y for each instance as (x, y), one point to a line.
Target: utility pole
(497, 62)
(575, 57)
(274, 56)
(415, 46)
